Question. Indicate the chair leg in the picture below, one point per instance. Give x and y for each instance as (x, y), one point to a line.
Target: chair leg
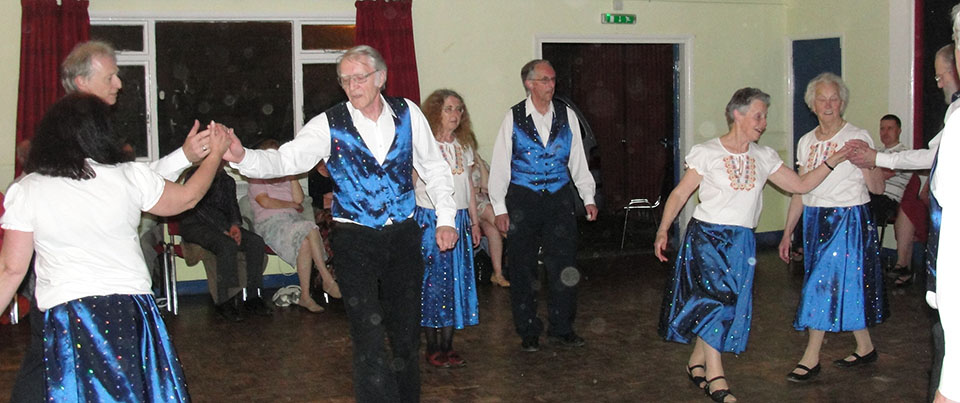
(15, 310)
(623, 236)
(166, 277)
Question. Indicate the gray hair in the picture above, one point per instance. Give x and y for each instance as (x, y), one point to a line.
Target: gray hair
(527, 71)
(741, 100)
(956, 21)
(366, 54)
(79, 63)
(827, 78)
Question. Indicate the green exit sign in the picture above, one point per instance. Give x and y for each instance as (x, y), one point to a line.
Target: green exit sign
(610, 18)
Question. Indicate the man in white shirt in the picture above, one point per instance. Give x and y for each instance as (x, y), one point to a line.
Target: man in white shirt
(371, 145)
(91, 67)
(538, 152)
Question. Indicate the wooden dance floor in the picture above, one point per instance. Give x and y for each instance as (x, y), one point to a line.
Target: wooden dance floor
(296, 356)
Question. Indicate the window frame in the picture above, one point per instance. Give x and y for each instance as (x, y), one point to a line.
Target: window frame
(147, 57)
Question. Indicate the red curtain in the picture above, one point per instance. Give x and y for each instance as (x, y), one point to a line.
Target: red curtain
(387, 26)
(47, 34)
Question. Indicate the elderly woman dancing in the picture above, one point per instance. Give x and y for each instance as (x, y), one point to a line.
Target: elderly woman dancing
(843, 278)
(449, 286)
(709, 297)
(79, 206)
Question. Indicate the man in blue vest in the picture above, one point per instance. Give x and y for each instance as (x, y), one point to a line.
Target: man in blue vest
(538, 152)
(371, 146)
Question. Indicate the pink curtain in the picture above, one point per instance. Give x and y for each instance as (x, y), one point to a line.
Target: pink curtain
(387, 26)
(47, 34)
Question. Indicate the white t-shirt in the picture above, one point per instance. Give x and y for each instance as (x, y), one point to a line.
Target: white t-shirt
(460, 160)
(732, 187)
(85, 231)
(845, 186)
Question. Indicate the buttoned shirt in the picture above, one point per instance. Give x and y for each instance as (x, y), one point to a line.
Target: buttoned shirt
(312, 144)
(503, 150)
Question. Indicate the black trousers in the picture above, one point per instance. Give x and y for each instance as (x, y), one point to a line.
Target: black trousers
(380, 273)
(226, 249)
(542, 220)
(936, 338)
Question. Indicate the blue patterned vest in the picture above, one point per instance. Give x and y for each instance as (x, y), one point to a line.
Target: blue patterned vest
(533, 166)
(365, 191)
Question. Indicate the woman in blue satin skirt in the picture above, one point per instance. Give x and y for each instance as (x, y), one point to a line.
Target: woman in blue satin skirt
(449, 284)
(709, 296)
(79, 206)
(843, 279)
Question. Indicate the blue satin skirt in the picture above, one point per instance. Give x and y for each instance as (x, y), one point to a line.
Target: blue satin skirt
(112, 348)
(843, 277)
(449, 285)
(710, 294)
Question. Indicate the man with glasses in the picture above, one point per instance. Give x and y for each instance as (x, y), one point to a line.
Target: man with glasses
(945, 70)
(538, 152)
(371, 145)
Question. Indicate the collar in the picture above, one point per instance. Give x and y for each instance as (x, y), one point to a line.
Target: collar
(955, 96)
(531, 109)
(386, 110)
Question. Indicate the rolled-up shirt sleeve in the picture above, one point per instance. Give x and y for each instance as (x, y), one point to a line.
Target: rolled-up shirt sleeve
(432, 168)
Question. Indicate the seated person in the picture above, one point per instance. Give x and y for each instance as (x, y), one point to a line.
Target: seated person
(276, 205)
(214, 224)
(480, 172)
(320, 186)
(884, 206)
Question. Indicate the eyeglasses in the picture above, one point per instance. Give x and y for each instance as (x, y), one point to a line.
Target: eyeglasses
(356, 78)
(544, 80)
(451, 109)
(938, 77)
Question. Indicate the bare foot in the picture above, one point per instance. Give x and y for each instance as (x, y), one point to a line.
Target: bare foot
(498, 279)
(310, 305)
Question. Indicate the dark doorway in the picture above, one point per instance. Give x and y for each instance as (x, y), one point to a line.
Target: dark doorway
(936, 30)
(810, 58)
(627, 93)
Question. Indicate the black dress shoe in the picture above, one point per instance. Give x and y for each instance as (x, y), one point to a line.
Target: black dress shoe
(809, 375)
(857, 360)
(256, 306)
(229, 310)
(530, 344)
(570, 340)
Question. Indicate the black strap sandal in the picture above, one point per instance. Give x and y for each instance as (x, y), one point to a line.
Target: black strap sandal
(717, 395)
(698, 381)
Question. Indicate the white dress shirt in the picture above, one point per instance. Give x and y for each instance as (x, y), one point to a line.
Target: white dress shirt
(916, 159)
(503, 150)
(944, 186)
(312, 144)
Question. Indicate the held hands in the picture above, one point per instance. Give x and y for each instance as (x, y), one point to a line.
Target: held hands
(660, 245)
(194, 146)
(840, 155)
(446, 237)
(861, 154)
(236, 151)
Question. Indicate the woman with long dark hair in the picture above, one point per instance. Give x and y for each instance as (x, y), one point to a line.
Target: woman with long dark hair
(79, 206)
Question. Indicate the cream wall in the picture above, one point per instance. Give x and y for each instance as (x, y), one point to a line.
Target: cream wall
(477, 48)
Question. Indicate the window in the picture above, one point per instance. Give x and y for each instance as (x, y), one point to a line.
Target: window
(265, 79)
